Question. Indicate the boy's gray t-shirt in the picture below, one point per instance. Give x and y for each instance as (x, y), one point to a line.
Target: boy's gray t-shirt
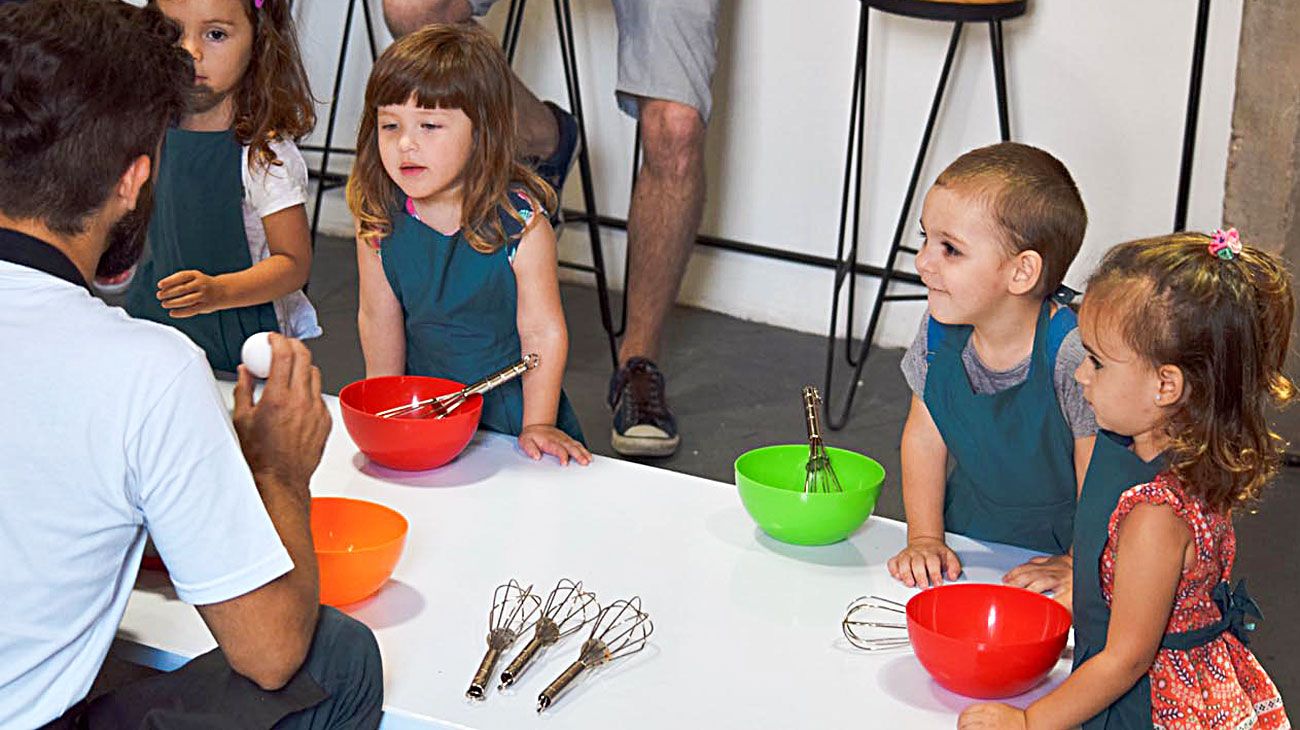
(1069, 394)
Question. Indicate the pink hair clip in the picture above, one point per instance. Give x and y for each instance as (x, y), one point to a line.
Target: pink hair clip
(258, 4)
(1225, 244)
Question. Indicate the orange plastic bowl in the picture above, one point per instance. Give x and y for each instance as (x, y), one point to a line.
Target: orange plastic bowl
(410, 444)
(986, 641)
(357, 545)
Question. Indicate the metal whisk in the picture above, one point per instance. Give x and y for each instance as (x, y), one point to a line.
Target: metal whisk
(513, 610)
(567, 609)
(621, 629)
(859, 617)
(820, 476)
(444, 405)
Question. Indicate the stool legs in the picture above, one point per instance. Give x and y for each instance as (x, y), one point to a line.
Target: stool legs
(325, 180)
(1193, 112)
(847, 261)
(564, 22)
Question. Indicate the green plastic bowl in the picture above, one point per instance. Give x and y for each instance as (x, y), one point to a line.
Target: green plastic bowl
(770, 481)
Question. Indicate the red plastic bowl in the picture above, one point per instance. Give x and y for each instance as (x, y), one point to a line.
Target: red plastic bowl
(410, 444)
(984, 640)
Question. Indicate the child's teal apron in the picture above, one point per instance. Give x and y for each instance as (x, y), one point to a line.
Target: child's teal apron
(1014, 480)
(1115, 469)
(460, 309)
(198, 223)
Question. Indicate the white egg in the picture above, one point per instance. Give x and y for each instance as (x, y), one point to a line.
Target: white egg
(256, 354)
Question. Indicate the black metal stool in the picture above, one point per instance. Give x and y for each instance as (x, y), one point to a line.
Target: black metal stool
(510, 42)
(958, 13)
(326, 180)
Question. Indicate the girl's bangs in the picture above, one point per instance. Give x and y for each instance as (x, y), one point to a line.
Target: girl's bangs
(426, 80)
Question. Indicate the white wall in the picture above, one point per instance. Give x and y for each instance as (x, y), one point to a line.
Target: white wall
(1100, 84)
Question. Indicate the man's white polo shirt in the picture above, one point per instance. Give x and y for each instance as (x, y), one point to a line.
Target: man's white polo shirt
(110, 427)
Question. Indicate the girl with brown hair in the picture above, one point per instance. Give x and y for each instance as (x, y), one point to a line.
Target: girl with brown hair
(229, 244)
(1187, 335)
(457, 260)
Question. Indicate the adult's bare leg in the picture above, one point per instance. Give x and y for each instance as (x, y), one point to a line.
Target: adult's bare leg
(663, 221)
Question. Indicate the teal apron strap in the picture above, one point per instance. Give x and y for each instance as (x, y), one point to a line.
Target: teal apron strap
(1238, 614)
(198, 224)
(1113, 470)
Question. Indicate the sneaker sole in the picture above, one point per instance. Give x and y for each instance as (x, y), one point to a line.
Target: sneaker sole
(644, 445)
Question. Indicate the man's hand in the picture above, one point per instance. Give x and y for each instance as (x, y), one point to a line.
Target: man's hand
(284, 434)
(926, 561)
(187, 293)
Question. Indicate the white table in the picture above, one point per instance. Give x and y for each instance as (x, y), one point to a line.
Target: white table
(747, 629)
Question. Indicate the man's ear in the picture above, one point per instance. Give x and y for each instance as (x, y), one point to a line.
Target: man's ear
(1027, 269)
(133, 180)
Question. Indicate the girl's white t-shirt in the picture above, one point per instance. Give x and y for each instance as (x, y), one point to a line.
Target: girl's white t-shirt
(270, 190)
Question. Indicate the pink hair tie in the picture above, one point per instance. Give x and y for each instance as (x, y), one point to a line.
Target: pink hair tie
(1225, 244)
(258, 4)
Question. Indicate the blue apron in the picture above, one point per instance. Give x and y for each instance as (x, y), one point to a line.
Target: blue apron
(198, 223)
(1115, 469)
(460, 308)
(1014, 480)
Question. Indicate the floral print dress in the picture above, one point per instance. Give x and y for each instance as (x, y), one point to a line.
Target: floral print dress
(1218, 684)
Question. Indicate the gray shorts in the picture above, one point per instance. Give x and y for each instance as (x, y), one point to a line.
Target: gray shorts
(667, 49)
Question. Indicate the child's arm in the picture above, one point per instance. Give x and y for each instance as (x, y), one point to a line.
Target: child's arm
(1082, 457)
(379, 317)
(288, 237)
(540, 319)
(1153, 543)
(1055, 573)
(927, 559)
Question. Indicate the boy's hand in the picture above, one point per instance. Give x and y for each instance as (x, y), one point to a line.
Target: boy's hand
(187, 293)
(926, 561)
(543, 439)
(1053, 573)
(992, 716)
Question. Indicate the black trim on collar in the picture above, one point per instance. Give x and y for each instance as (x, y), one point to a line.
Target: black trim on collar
(24, 250)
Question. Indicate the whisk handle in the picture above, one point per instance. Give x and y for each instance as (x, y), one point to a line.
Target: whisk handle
(516, 668)
(504, 375)
(812, 401)
(553, 690)
(478, 685)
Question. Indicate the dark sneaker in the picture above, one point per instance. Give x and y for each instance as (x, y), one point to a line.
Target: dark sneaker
(643, 425)
(555, 169)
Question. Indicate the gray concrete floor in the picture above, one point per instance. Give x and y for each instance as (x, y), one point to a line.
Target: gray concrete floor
(734, 385)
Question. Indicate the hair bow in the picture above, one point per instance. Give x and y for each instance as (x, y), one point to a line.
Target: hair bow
(1225, 244)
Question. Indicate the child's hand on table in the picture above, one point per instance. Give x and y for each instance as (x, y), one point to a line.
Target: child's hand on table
(992, 716)
(926, 561)
(187, 293)
(543, 439)
(1053, 573)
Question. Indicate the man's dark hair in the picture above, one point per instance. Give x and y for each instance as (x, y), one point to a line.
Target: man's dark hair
(86, 87)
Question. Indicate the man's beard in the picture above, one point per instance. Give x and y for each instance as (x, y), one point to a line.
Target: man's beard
(127, 237)
(204, 99)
